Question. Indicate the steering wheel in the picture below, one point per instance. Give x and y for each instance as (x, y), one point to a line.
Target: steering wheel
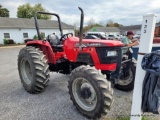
(65, 36)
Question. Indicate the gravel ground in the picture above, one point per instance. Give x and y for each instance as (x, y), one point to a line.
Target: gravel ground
(53, 104)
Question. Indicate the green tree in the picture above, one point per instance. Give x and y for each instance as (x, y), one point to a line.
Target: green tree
(110, 23)
(27, 11)
(38, 7)
(117, 25)
(86, 28)
(35, 37)
(4, 12)
(91, 22)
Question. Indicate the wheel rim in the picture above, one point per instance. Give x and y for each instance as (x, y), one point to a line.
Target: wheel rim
(84, 94)
(26, 71)
(127, 80)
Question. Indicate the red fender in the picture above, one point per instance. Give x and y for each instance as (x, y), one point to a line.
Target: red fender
(45, 47)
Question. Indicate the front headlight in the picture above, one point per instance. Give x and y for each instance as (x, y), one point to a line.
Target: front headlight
(111, 53)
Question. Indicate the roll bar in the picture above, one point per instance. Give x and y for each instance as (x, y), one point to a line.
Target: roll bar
(37, 26)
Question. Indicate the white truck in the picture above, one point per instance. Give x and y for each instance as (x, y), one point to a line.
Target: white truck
(113, 37)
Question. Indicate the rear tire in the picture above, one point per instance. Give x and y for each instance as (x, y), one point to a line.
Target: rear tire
(127, 84)
(33, 69)
(90, 92)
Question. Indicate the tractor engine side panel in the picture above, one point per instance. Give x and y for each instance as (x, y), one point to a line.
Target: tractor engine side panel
(69, 48)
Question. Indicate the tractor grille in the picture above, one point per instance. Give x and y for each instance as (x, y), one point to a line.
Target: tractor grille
(85, 57)
(102, 55)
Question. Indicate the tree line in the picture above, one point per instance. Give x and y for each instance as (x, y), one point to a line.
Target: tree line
(92, 24)
(4, 12)
(26, 11)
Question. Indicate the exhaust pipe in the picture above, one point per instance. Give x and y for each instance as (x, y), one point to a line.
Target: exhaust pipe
(81, 28)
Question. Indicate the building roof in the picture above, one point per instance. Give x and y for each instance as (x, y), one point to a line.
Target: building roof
(132, 27)
(104, 29)
(29, 23)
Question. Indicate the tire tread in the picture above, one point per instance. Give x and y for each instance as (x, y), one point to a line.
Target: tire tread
(41, 69)
(103, 85)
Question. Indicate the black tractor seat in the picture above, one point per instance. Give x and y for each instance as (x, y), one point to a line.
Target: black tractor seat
(55, 43)
(57, 48)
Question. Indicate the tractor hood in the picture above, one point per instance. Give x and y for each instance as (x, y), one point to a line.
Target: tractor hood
(94, 42)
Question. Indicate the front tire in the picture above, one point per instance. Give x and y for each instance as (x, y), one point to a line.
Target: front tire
(33, 69)
(90, 92)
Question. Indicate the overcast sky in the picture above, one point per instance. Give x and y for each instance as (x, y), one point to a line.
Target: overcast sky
(125, 12)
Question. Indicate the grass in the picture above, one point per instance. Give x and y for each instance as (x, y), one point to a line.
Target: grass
(123, 118)
(128, 118)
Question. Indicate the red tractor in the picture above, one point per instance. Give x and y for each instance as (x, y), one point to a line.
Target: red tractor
(91, 65)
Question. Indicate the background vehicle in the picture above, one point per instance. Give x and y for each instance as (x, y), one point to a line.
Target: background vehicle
(113, 37)
(119, 37)
(106, 36)
(100, 35)
(91, 37)
(137, 36)
(89, 89)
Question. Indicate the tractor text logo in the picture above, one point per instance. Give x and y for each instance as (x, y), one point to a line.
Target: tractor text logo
(90, 44)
